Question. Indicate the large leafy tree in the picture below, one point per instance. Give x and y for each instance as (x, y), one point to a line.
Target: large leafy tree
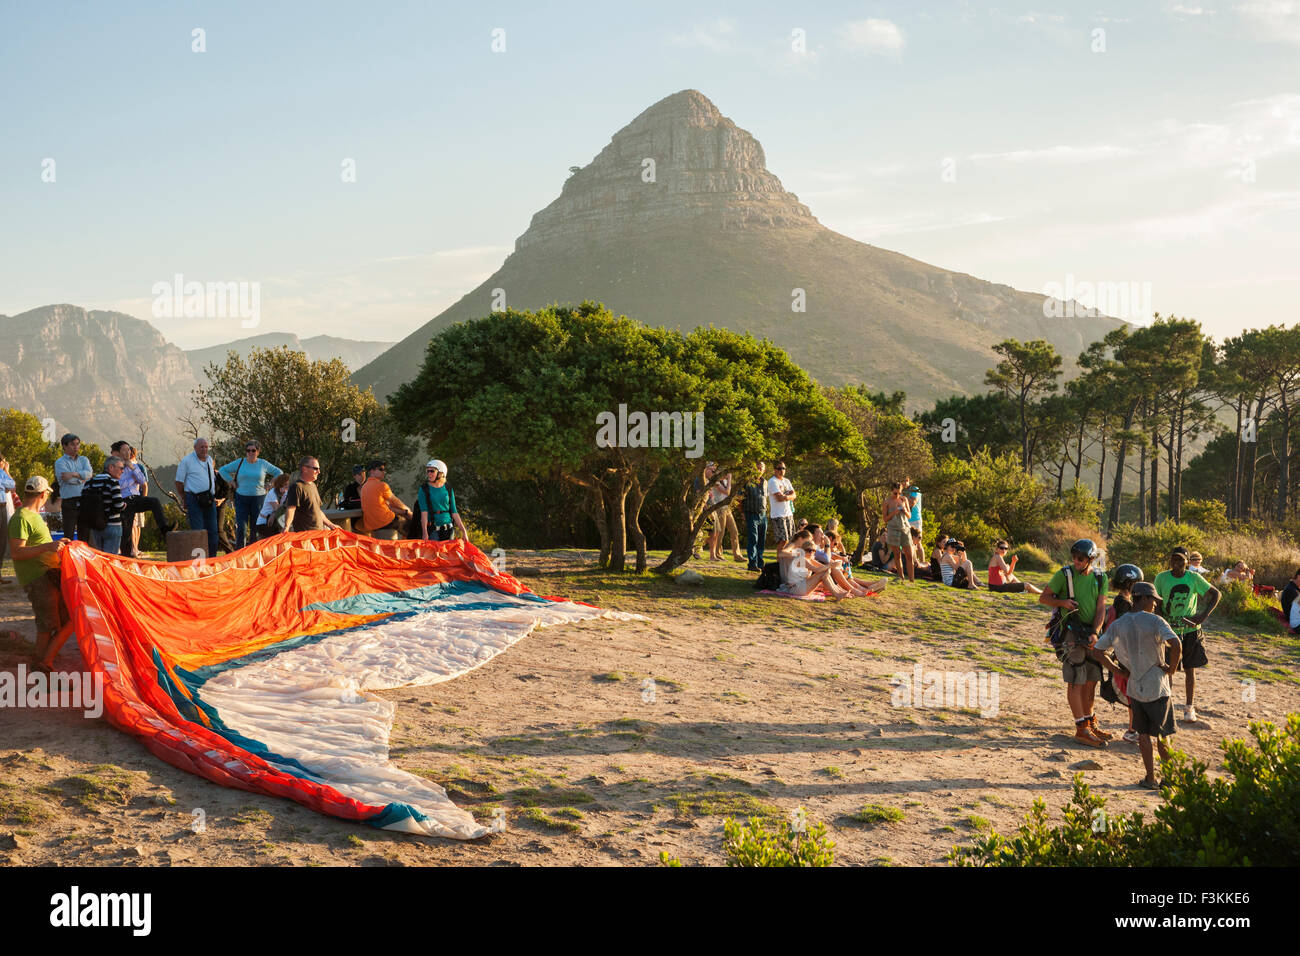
(530, 390)
(972, 421)
(295, 408)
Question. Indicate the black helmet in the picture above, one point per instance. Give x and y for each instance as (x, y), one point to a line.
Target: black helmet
(1125, 575)
(1083, 548)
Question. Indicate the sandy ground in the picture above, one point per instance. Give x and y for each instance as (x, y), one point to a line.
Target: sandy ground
(747, 713)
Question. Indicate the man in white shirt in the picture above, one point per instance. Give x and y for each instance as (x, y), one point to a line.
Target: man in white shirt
(196, 485)
(72, 471)
(780, 496)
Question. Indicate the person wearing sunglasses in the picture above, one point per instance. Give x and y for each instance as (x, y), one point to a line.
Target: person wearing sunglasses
(250, 477)
(1002, 573)
(302, 505)
(439, 519)
(381, 510)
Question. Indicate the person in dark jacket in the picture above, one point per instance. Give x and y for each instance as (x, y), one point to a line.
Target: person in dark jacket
(754, 503)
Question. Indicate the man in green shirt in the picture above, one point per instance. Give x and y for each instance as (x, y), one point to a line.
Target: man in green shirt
(1081, 618)
(1186, 600)
(36, 565)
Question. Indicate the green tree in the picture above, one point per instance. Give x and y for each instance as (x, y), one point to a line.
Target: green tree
(295, 408)
(22, 441)
(1028, 371)
(977, 421)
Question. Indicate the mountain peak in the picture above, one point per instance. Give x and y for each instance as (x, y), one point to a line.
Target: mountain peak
(680, 160)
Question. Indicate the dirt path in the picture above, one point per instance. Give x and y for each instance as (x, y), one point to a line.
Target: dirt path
(757, 705)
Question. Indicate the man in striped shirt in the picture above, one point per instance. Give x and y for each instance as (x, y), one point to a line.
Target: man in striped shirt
(107, 486)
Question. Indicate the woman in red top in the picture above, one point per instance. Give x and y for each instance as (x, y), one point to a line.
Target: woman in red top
(1002, 575)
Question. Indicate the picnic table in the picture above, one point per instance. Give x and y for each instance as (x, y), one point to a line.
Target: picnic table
(343, 517)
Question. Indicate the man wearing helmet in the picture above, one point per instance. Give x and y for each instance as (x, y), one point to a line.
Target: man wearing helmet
(1182, 593)
(1081, 618)
(438, 505)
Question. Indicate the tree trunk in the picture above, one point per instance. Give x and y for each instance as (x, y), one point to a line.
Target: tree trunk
(634, 522)
(1247, 509)
(1117, 489)
(863, 531)
(1101, 472)
(616, 513)
(1142, 488)
(1155, 470)
(1234, 497)
(1284, 462)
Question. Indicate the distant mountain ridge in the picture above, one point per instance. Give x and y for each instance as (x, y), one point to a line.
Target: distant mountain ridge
(354, 353)
(678, 223)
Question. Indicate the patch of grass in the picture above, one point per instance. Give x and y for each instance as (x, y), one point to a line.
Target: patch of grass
(610, 678)
(538, 816)
(14, 809)
(875, 814)
(254, 815)
(549, 797)
(353, 840)
(977, 822)
(100, 785)
(711, 803)
(834, 772)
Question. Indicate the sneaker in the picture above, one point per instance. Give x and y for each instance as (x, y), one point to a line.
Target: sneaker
(1189, 714)
(1131, 736)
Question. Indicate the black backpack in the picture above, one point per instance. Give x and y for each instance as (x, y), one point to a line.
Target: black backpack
(93, 514)
(769, 579)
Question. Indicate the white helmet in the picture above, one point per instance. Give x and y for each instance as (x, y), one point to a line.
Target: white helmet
(437, 463)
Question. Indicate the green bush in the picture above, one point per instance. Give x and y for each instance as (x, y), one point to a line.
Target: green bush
(816, 503)
(1209, 514)
(1076, 504)
(1057, 534)
(1250, 817)
(1032, 558)
(1149, 547)
(480, 537)
(752, 844)
(1241, 605)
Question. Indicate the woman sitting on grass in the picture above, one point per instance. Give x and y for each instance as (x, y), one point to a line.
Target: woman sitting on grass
(824, 553)
(1002, 575)
(801, 572)
(924, 569)
(1238, 572)
(961, 573)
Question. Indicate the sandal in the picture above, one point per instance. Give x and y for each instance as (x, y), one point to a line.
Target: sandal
(1149, 784)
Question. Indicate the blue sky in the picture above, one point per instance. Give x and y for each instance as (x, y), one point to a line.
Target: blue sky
(1170, 156)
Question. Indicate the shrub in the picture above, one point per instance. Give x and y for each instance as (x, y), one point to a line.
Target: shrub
(1032, 558)
(1056, 536)
(1149, 547)
(1209, 514)
(1241, 605)
(1252, 819)
(817, 504)
(752, 844)
(480, 537)
(1272, 556)
(1076, 504)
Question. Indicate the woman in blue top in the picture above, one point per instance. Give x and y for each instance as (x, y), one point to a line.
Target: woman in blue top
(437, 503)
(7, 488)
(250, 476)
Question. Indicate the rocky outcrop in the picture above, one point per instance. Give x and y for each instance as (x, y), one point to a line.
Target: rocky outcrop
(95, 373)
(706, 170)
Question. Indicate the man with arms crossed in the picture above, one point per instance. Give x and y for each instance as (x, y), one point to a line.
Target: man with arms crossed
(1081, 619)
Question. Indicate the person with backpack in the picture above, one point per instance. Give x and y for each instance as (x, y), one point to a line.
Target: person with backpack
(1078, 592)
(754, 505)
(1182, 593)
(249, 476)
(1126, 575)
(437, 503)
(101, 507)
(1140, 639)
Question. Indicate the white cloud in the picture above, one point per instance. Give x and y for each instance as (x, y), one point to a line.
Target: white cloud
(715, 35)
(1055, 154)
(1272, 20)
(1212, 221)
(873, 36)
(1181, 10)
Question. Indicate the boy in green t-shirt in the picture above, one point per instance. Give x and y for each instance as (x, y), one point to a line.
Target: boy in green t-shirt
(1186, 600)
(36, 565)
(1081, 618)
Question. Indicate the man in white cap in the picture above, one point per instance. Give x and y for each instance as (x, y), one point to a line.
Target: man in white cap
(439, 518)
(36, 564)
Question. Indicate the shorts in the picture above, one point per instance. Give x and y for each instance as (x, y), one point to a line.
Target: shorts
(1193, 650)
(783, 528)
(1086, 673)
(47, 604)
(1155, 718)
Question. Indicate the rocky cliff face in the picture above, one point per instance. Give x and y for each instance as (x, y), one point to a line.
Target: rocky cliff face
(705, 167)
(94, 373)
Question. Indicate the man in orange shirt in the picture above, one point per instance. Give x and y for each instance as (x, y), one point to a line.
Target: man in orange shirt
(381, 510)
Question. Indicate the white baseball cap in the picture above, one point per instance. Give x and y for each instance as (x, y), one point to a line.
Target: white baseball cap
(437, 463)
